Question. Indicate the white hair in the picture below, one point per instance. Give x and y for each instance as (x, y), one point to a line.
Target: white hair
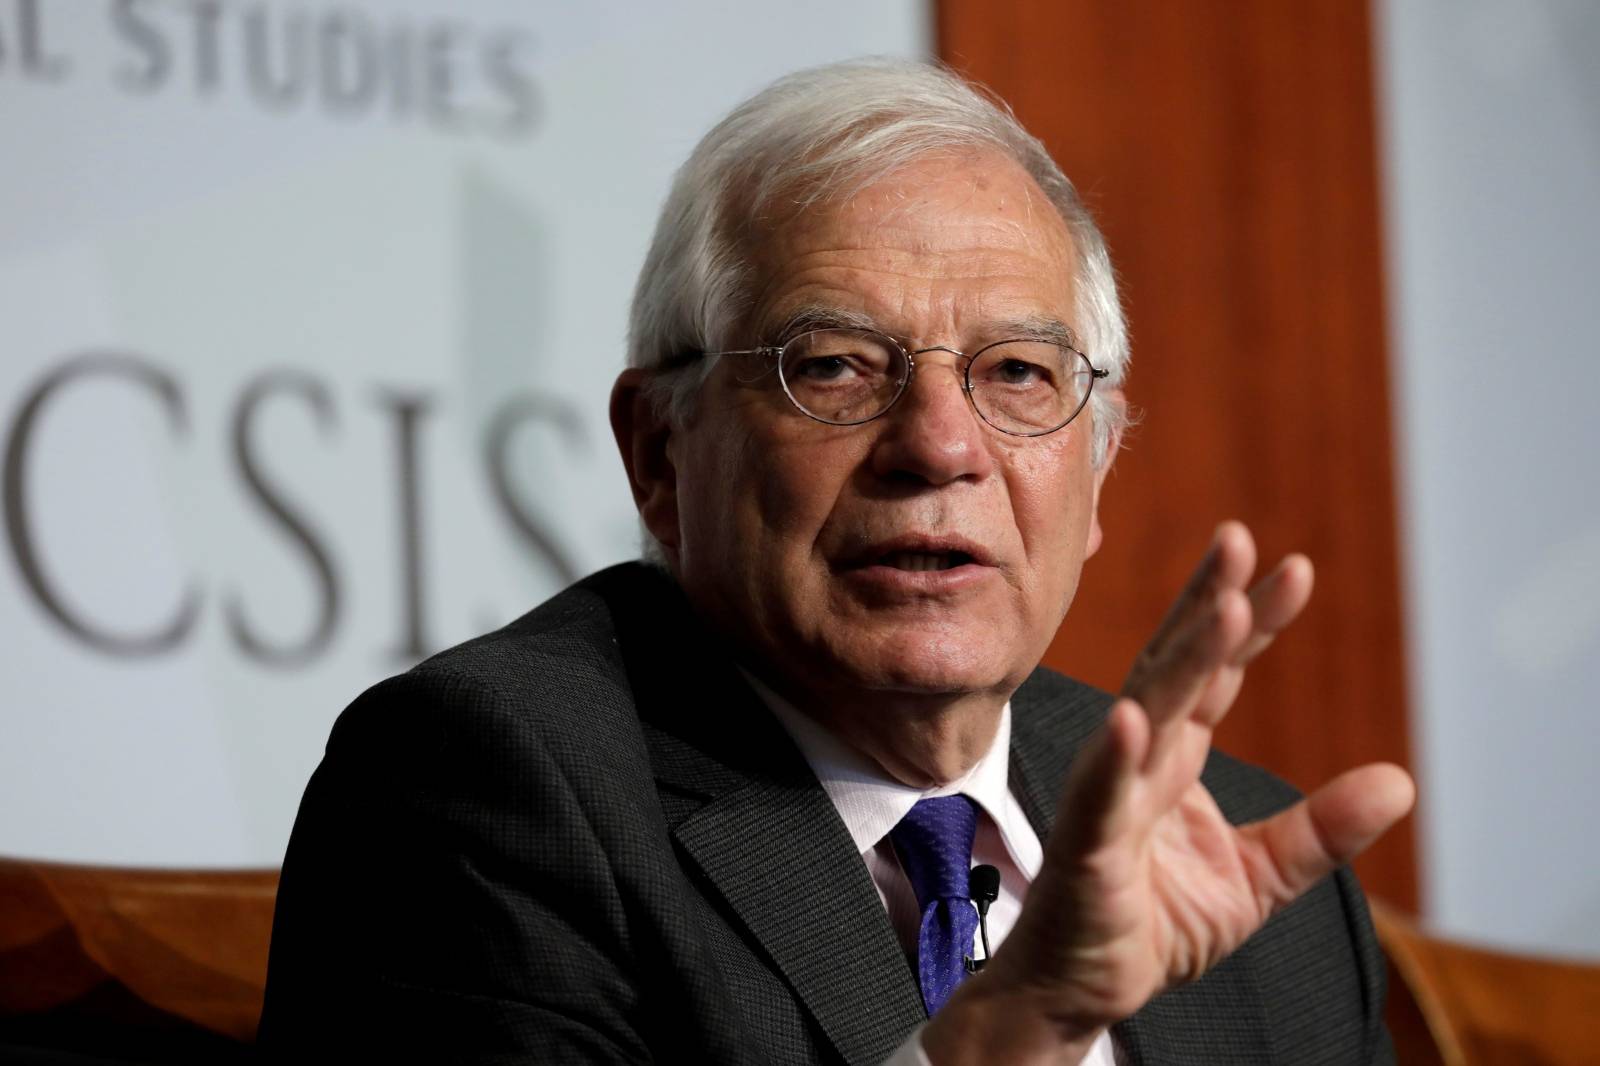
(819, 136)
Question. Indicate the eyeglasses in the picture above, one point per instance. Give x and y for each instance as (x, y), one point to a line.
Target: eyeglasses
(845, 377)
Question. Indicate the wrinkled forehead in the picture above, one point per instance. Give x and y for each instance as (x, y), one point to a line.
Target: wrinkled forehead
(972, 216)
(975, 193)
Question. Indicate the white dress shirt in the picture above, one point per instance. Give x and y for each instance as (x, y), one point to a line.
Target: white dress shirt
(871, 803)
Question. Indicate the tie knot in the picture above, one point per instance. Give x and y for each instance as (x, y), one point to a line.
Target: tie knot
(934, 842)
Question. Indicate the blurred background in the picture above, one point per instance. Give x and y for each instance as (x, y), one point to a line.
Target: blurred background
(310, 310)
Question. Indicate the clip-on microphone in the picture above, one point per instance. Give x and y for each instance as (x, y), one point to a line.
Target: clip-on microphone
(983, 885)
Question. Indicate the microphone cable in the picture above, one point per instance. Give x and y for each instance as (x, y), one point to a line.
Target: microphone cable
(983, 885)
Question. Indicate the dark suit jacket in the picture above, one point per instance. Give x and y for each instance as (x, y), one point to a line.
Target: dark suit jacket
(583, 838)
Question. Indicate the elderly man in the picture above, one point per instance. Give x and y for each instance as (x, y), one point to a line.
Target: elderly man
(726, 807)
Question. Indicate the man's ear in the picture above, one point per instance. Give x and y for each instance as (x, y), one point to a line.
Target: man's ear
(642, 434)
(1099, 479)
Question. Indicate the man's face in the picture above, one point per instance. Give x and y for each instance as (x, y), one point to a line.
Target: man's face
(809, 544)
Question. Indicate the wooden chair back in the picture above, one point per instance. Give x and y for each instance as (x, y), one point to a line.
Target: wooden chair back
(1458, 1005)
(93, 958)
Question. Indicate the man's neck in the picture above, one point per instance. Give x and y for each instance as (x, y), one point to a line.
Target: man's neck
(921, 740)
(920, 746)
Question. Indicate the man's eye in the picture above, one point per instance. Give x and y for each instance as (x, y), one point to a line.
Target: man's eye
(1018, 372)
(823, 368)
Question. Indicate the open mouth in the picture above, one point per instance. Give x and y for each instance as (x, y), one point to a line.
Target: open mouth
(923, 561)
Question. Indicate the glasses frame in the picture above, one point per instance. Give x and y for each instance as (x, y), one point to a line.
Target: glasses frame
(776, 353)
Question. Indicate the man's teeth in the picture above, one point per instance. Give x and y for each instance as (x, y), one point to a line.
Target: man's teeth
(923, 560)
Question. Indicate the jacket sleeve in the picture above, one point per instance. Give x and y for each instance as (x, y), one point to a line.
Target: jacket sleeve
(1373, 967)
(1317, 963)
(443, 889)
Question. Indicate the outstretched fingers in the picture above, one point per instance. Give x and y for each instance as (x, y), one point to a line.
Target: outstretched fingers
(1228, 563)
(1275, 601)
(1205, 629)
(1097, 804)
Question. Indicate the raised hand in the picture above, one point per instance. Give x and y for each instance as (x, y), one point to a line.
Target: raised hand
(1145, 884)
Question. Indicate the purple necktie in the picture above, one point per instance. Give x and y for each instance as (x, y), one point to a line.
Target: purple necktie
(934, 843)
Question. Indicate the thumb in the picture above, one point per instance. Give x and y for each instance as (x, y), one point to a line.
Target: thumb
(1329, 828)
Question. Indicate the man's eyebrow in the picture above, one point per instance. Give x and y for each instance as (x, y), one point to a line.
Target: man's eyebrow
(1039, 328)
(817, 316)
(825, 316)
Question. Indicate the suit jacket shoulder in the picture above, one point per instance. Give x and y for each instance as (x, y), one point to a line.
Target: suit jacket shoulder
(464, 856)
(579, 838)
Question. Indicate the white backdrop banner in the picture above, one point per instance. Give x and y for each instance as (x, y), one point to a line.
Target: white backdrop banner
(309, 313)
(1491, 110)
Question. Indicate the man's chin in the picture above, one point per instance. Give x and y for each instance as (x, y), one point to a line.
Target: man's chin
(928, 663)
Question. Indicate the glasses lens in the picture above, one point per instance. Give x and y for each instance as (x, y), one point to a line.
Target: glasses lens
(843, 376)
(1029, 386)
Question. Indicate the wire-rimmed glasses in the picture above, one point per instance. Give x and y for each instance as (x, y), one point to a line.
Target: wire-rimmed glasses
(845, 377)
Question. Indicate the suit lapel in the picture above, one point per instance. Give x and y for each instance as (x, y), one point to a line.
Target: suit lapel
(750, 814)
(1048, 726)
(786, 866)
(1218, 1019)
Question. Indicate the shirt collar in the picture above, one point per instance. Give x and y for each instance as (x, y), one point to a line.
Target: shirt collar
(868, 800)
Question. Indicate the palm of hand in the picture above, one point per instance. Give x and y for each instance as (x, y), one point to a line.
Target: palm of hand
(1145, 884)
(1146, 910)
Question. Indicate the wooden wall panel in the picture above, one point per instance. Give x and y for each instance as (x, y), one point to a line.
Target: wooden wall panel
(1228, 151)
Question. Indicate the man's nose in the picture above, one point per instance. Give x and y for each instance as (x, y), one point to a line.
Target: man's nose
(932, 433)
